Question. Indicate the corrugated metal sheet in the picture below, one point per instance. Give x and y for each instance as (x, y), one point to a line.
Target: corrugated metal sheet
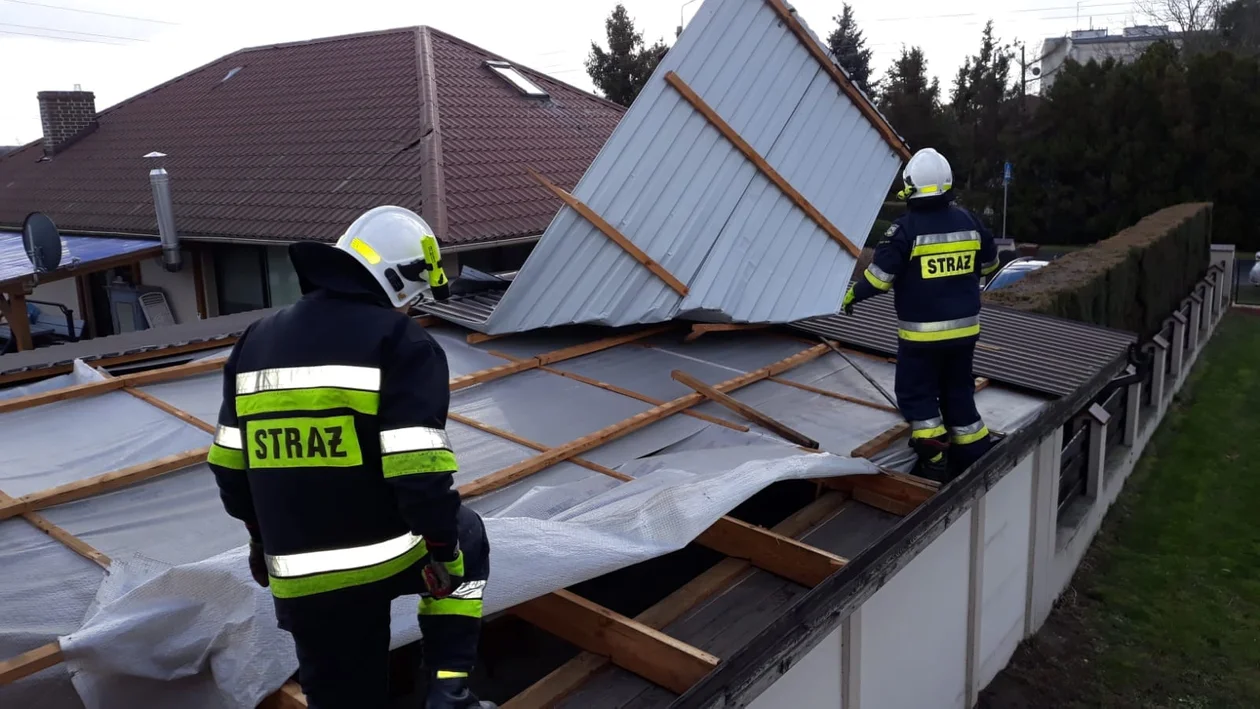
(1035, 352)
(674, 186)
(15, 264)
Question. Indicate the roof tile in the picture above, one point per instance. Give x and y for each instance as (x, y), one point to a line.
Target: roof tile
(307, 135)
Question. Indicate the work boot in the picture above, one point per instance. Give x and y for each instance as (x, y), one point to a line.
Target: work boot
(932, 464)
(454, 694)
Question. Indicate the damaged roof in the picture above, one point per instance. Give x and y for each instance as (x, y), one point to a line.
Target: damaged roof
(743, 179)
(293, 141)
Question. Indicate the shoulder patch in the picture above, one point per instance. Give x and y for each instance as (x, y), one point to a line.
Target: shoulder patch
(891, 230)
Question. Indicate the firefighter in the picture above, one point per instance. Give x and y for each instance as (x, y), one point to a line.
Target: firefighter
(331, 448)
(932, 259)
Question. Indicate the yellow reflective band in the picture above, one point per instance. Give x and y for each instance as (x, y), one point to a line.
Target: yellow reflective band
(450, 606)
(990, 267)
(939, 335)
(963, 439)
(936, 432)
(226, 457)
(874, 281)
(456, 567)
(320, 399)
(303, 442)
(945, 248)
(451, 674)
(332, 581)
(367, 252)
(399, 464)
(937, 458)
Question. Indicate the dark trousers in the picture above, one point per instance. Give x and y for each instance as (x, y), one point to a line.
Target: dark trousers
(936, 382)
(342, 637)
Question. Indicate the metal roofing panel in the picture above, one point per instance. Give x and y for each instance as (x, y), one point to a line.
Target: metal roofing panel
(673, 185)
(1036, 352)
(76, 250)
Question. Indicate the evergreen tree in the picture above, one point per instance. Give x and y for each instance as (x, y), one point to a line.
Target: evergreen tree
(911, 101)
(981, 116)
(622, 70)
(848, 46)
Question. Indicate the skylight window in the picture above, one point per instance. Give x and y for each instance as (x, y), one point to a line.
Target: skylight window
(516, 79)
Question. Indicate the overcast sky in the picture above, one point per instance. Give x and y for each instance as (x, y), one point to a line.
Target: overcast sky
(118, 48)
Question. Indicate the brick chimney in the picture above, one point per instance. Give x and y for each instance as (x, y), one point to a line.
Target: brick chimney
(66, 116)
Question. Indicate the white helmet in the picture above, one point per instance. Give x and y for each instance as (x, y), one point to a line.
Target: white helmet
(926, 175)
(399, 249)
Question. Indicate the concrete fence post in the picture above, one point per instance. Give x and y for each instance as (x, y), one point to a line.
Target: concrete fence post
(1159, 370)
(1179, 344)
(1196, 320)
(1132, 413)
(1097, 463)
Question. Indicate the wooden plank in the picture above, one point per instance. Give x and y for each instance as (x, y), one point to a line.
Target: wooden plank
(776, 553)
(881, 442)
(179, 371)
(835, 395)
(476, 338)
(602, 344)
(28, 663)
(70, 392)
(744, 410)
(890, 136)
(99, 484)
(72, 542)
(519, 440)
(427, 320)
(625, 392)
(489, 375)
(19, 322)
(289, 696)
(528, 467)
(611, 232)
(173, 411)
(700, 329)
(907, 492)
(629, 644)
(552, 689)
(753, 156)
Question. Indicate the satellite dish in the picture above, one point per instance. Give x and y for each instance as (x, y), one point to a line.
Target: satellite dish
(42, 242)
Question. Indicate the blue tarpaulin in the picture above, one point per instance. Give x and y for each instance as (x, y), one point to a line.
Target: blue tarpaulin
(87, 249)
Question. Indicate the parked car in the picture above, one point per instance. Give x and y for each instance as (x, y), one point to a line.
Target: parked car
(1013, 271)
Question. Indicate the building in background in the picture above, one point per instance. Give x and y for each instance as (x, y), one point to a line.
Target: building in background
(290, 142)
(1083, 46)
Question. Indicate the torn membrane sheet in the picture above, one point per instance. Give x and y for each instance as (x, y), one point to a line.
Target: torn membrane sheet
(206, 632)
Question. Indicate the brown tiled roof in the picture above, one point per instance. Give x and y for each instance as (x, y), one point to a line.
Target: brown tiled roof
(306, 136)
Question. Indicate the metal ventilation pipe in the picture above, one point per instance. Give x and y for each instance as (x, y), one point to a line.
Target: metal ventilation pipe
(161, 182)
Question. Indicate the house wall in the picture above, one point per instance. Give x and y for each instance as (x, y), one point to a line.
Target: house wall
(181, 293)
(64, 292)
(937, 632)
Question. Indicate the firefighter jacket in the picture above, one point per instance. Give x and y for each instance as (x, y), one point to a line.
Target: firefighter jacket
(932, 259)
(331, 442)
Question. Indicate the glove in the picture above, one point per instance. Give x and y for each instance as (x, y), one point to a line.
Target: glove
(443, 577)
(258, 564)
(849, 298)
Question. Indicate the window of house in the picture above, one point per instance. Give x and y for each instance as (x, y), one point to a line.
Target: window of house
(510, 74)
(253, 278)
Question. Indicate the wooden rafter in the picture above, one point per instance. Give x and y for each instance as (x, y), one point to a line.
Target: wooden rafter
(553, 688)
(611, 232)
(625, 427)
(755, 158)
(99, 484)
(700, 329)
(28, 663)
(626, 392)
(776, 553)
(628, 643)
(898, 494)
(70, 541)
(178, 413)
(855, 95)
(748, 412)
(835, 395)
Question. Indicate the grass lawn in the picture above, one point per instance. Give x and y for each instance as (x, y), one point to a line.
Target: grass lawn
(1164, 611)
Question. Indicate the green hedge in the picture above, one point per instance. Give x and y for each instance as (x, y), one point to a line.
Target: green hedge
(1132, 281)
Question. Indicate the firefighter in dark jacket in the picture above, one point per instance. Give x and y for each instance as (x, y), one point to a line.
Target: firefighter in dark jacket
(932, 259)
(331, 448)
